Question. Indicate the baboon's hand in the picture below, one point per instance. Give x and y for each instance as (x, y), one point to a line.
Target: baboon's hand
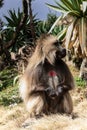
(62, 89)
(52, 93)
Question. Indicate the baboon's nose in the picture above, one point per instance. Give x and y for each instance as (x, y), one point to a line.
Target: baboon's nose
(64, 52)
(53, 95)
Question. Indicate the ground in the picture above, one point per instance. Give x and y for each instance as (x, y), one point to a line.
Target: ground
(13, 116)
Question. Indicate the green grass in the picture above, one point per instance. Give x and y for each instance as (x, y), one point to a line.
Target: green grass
(9, 92)
(7, 77)
(80, 82)
(9, 96)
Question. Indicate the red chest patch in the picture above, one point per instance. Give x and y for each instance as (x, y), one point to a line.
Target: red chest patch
(52, 73)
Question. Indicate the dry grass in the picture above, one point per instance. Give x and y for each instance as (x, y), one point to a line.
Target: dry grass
(12, 118)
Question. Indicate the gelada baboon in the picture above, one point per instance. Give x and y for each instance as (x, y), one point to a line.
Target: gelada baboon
(45, 85)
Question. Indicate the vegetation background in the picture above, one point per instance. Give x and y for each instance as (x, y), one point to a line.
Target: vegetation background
(17, 43)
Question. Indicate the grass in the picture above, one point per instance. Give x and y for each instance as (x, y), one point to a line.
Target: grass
(7, 77)
(12, 118)
(9, 93)
(10, 96)
(79, 82)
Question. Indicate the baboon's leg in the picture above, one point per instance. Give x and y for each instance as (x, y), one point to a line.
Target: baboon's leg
(36, 104)
(66, 104)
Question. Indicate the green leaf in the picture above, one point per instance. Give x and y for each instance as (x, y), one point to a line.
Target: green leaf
(66, 7)
(62, 34)
(68, 4)
(61, 5)
(10, 22)
(13, 15)
(56, 8)
(55, 23)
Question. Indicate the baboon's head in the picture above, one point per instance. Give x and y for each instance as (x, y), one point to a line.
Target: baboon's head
(50, 48)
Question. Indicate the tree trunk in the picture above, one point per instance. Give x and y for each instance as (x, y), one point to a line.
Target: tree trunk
(31, 22)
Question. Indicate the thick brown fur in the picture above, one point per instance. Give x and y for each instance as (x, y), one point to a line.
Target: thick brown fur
(40, 92)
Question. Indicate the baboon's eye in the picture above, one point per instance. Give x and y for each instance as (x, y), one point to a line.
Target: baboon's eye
(56, 43)
(60, 42)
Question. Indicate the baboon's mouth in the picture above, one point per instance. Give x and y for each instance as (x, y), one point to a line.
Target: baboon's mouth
(53, 96)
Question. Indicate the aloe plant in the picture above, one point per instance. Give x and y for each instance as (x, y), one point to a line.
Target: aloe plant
(24, 36)
(14, 18)
(75, 13)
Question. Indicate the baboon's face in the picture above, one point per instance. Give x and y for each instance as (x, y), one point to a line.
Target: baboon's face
(61, 52)
(52, 48)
